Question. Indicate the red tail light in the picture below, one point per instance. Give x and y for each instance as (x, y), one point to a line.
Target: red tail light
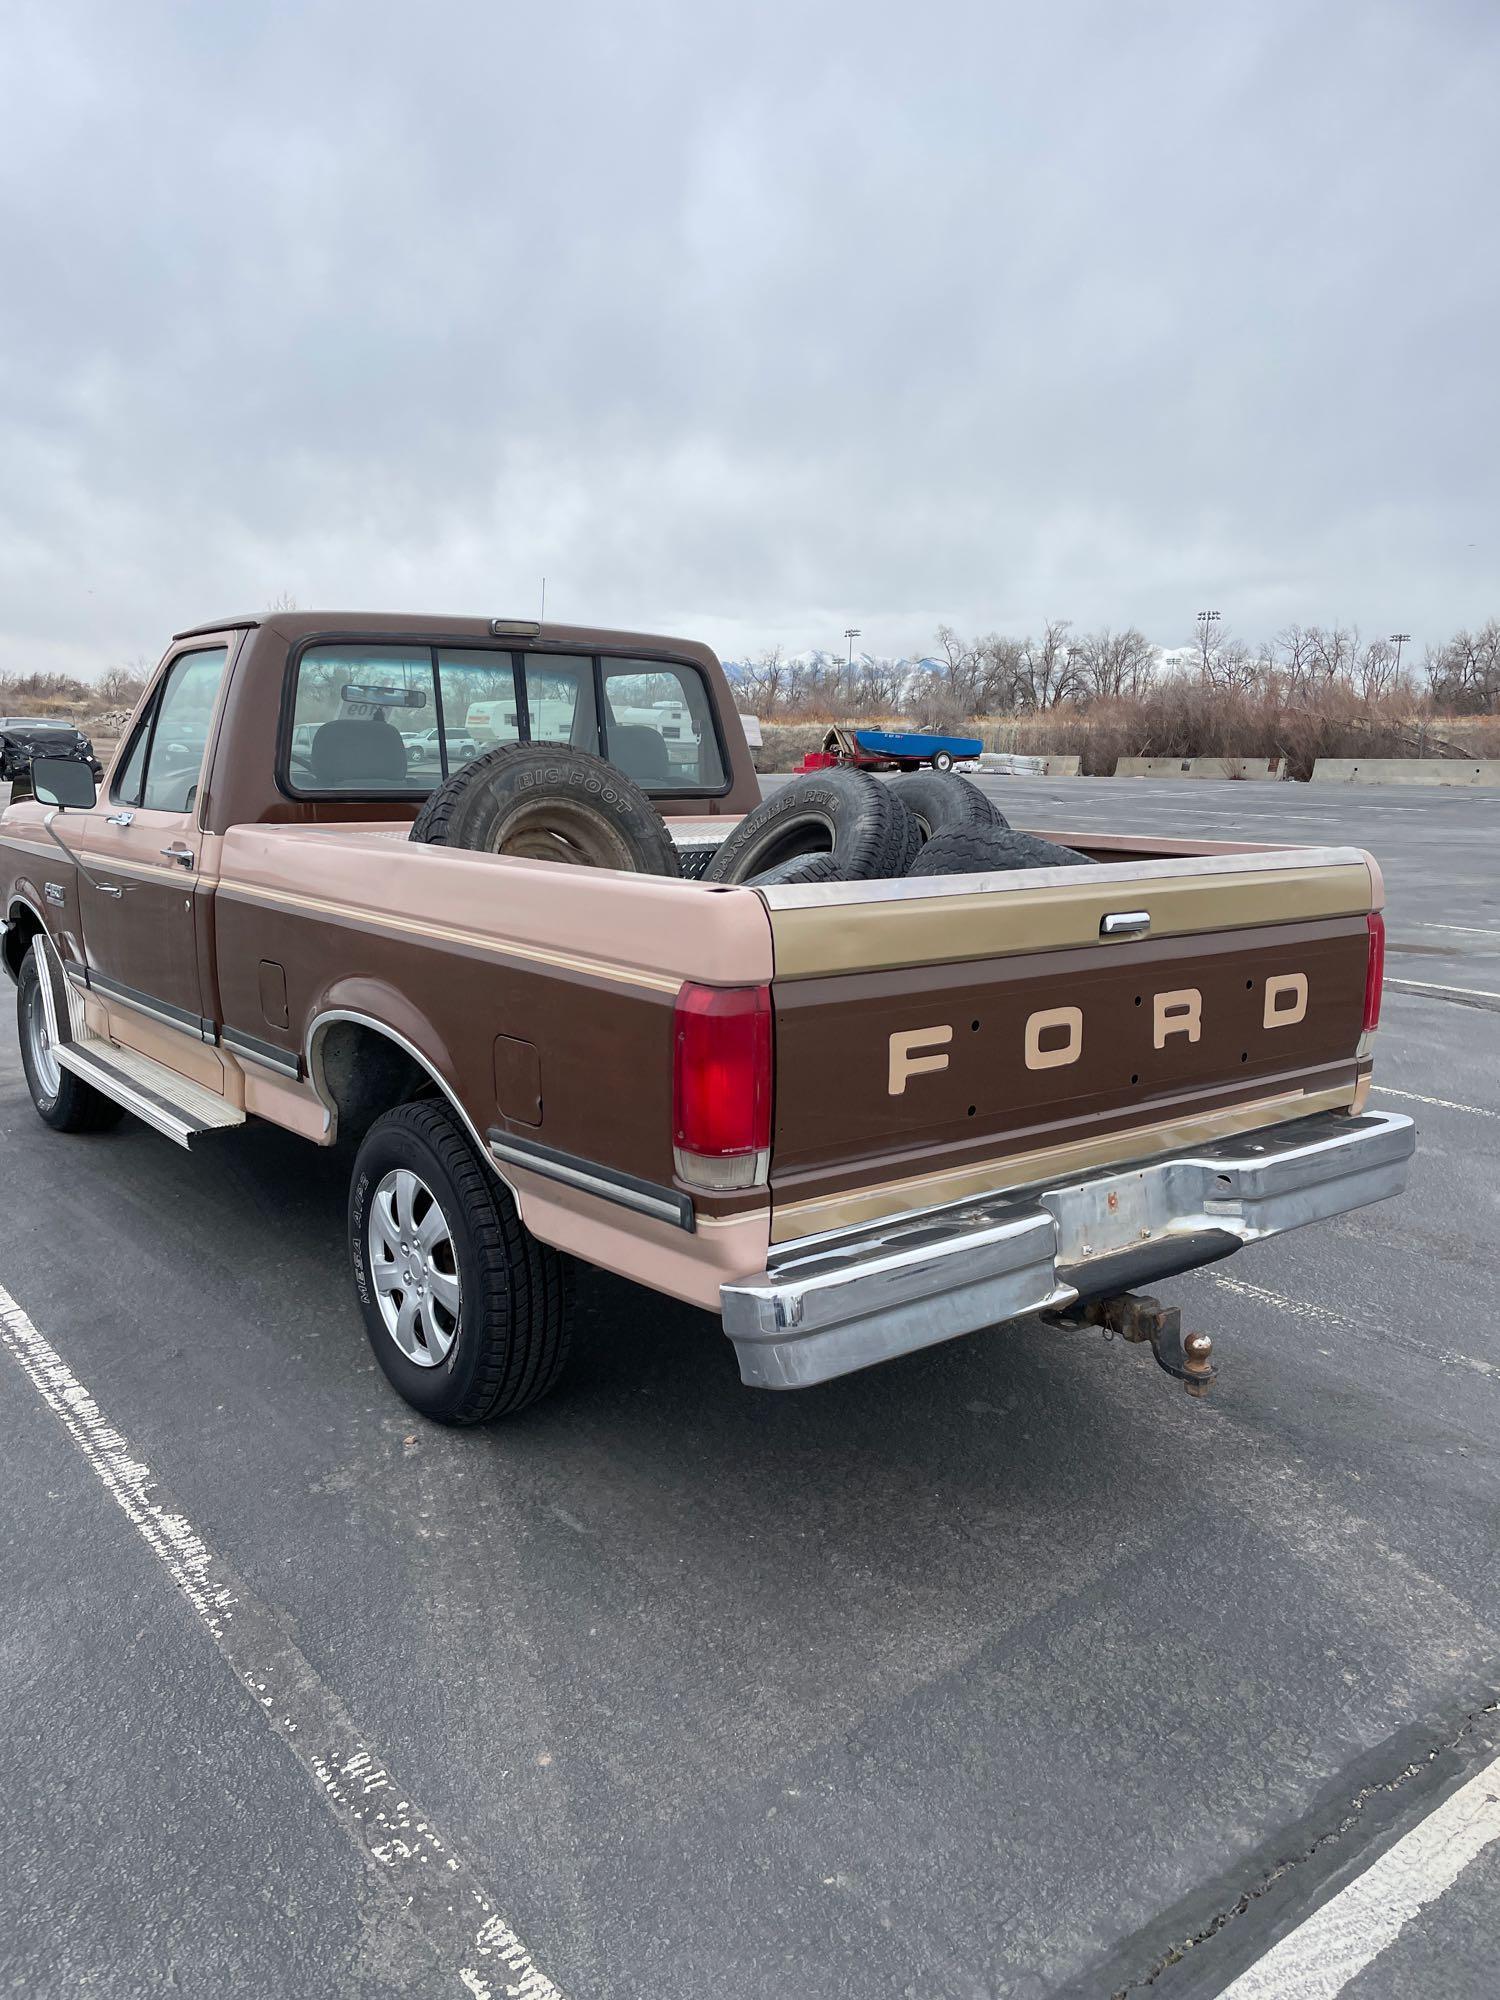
(1374, 971)
(722, 1103)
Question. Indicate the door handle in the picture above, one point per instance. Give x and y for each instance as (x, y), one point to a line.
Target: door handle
(178, 852)
(119, 819)
(110, 889)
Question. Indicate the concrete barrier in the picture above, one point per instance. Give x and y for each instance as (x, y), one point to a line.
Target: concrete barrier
(1016, 764)
(1406, 771)
(1261, 768)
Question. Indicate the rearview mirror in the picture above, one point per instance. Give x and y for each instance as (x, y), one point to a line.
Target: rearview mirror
(63, 781)
(385, 697)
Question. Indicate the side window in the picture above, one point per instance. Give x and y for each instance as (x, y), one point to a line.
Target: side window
(481, 702)
(658, 726)
(364, 721)
(126, 789)
(560, 699)
(180, 735)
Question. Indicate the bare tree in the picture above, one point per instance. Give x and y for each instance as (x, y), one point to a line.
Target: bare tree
(1046, 675)
(1464, 673)
(951, 683)
(763, 682)
(1234, 668)
(1110, 666)
(1333, 651)
(122, 687)
(1377, 672)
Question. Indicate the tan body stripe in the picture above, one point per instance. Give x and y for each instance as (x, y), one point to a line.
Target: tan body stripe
(884, 933)
(855, 1206)
(493, 947)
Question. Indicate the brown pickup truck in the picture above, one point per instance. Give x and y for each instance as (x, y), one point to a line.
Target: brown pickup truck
(850, 1119)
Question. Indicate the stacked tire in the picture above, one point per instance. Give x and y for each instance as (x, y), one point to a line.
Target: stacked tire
(535, 802)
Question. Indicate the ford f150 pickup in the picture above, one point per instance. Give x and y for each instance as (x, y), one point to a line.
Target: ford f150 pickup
(851, 1118)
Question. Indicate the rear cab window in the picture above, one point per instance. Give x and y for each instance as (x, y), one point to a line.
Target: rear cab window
(368, 719)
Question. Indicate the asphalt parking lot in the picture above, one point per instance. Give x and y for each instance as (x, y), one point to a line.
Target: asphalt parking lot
(1004, 1670)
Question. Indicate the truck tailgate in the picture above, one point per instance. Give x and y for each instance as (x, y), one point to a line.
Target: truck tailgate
(942, 1038)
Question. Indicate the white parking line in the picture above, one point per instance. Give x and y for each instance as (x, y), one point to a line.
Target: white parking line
(1431, 986)
(432, 1883)
(1262, 1295)
(1320, 1957)
(1440, 1103)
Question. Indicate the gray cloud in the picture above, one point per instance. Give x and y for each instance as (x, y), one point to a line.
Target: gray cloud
(747, 321)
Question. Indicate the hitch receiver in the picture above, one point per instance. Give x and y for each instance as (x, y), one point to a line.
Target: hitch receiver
(1138, 1317)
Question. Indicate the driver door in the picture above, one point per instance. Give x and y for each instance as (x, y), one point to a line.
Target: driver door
(141, 847)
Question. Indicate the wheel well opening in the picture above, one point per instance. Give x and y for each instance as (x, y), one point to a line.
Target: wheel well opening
(362, 1074)
(22, 928)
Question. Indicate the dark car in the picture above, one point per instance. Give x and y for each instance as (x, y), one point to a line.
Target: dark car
(23, 737)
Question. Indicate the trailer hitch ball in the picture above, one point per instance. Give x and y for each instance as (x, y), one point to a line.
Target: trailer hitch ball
(1135, 1316)
(1197, 1368)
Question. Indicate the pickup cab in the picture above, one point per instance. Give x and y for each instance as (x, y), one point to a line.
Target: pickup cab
(849, 1119)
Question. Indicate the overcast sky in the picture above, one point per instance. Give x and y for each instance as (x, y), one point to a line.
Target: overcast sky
(748, 321)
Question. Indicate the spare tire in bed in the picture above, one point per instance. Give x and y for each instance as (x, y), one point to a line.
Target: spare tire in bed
(839, 812)
(984, 850)
(941, 803)
(798, 872)
(536, 802)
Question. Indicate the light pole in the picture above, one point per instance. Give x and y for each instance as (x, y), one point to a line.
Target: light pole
(1398, 640)
(851, 633)
(1207, 620)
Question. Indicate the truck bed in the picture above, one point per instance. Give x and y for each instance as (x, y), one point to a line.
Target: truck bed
(580, 968)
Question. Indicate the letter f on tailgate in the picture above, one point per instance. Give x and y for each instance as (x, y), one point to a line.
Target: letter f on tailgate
(906, 1062)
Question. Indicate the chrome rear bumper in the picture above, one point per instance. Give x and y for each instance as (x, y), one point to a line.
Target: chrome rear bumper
(831, 1304)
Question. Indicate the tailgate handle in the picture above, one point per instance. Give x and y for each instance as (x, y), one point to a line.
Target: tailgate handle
(1126, 924)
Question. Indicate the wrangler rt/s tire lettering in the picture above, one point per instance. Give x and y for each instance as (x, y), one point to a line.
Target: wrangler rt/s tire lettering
(468, 1315)
(539, 803)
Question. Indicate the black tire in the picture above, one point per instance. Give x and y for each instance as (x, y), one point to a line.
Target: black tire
(543, 803)
(942, 760)
(73, 1106)
(982, 850)
(941, 805)
(802, 868)
(840, 812)
(514, 1323)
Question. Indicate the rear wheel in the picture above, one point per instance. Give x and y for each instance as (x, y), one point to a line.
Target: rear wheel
(468, 1315)
(942, 761)
(63, 1101)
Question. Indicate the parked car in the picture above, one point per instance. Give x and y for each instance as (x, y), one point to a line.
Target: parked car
(23, 737)
(851, 1119)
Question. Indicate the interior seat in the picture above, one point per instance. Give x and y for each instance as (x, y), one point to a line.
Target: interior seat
(639, 752)
(350, 752)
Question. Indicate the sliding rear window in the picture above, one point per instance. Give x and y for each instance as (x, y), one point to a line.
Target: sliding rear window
(369, 719)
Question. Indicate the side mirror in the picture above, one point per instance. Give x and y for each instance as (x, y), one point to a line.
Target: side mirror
(63, 781)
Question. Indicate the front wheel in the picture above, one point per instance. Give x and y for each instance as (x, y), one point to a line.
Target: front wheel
(468, 1314)
(63, 1101)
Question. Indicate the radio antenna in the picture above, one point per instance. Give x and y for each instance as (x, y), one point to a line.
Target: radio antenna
(543, 619)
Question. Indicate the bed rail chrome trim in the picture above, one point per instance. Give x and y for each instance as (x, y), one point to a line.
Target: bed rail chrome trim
(826, 1306)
